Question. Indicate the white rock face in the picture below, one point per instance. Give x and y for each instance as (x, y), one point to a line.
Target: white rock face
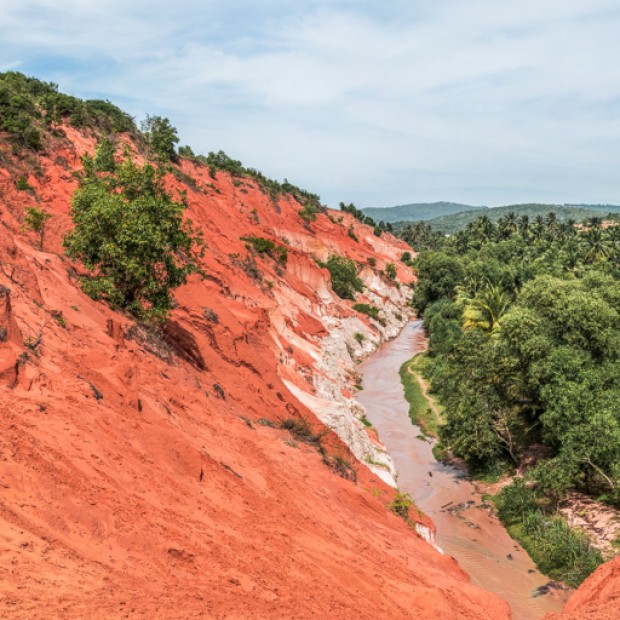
(336, 371)
(428, 535)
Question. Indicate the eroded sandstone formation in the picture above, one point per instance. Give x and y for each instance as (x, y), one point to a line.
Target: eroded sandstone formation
(144, 473)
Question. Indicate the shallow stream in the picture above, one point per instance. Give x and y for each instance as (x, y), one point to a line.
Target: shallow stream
(465, 529)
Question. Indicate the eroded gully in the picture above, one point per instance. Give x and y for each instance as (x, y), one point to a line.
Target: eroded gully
(472, 535)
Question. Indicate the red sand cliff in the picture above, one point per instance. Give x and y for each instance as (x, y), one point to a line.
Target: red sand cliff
(135, 484)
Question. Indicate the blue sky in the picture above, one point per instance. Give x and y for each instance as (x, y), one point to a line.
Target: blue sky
(380, 103)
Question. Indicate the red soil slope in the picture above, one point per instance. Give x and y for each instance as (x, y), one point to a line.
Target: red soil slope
(135, 477)
(597, 598)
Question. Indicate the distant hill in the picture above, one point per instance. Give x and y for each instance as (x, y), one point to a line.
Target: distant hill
(603, 208)
(416, 211)
(454, 222)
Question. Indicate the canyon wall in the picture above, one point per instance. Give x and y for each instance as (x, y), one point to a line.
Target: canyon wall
(146, 473)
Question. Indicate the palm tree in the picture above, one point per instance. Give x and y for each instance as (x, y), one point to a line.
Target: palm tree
(485, 309)
(537, 229)
(524, 227)
(485, 227)
(551, 222)
(571, 254)
(594, 221)
(598, 246)
(507, 225)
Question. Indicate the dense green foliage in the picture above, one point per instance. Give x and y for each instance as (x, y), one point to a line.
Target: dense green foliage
(419, 235)
(559, 551)
(131, 234)
(28, 107)
(524, 348)
(343, 272)
(104, 155)
(308, 213)
(22, 185)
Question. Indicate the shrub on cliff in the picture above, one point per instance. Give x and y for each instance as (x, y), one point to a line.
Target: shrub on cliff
(36, 220)
(131, 234)
(104, 156)
(266, 246)
(161, 136)
(28, 107)
(343, 273)
(371, 311)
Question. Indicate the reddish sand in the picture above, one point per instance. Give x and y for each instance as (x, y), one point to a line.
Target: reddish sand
(134, 486)
(598, 597)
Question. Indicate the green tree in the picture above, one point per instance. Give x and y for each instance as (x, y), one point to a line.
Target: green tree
(186, 152)
(36, 220)
(344, 278)
(438, 276)
(486, 308)
(161, 136)
(131, 234)
(597, 245)
(104, 155)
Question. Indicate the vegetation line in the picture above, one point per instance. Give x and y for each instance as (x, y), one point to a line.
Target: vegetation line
(562, 552)
(423, 410)
(523, 318)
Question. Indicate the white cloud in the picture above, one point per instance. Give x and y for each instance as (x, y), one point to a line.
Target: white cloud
(487, 101)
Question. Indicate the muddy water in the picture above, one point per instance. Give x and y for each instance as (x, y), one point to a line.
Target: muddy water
(474, 537)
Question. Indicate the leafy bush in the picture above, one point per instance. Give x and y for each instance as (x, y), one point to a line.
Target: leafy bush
(36, 220)
(343, 272)
(390, 271)
(515, 502)
(104, 156)
(29, 106)
(22, 184)
(308, 213)
(559, 550)
(401, 504)
(132, 235)
(359, 337)
(301, 430)
(187, 152)
(161, 136)
(266, 246)
(108, 117)
(369, 310)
